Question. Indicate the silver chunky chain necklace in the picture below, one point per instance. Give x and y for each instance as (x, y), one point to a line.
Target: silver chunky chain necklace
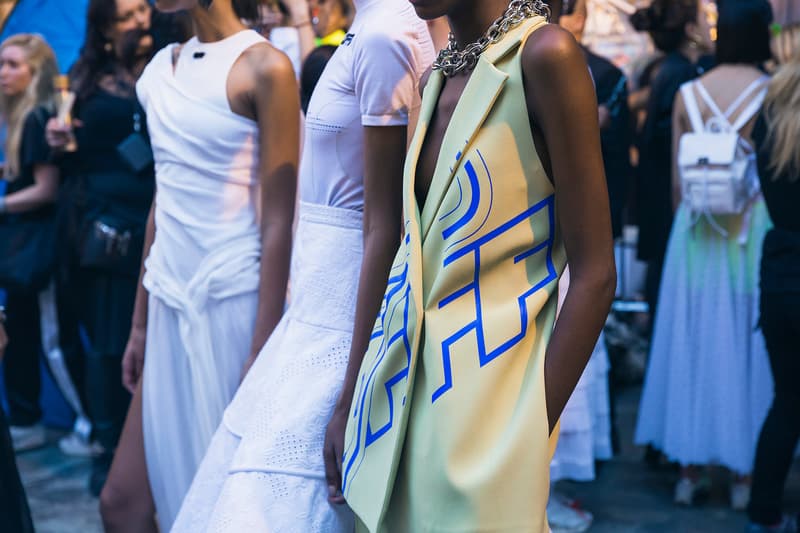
(451, 60)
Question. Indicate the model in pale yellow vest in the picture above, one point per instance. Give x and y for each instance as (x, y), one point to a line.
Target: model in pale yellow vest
(449, 423)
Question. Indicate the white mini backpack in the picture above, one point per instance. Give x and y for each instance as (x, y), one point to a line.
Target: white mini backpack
(717, 167)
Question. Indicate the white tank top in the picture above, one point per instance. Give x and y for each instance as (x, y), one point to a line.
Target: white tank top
(207, 199)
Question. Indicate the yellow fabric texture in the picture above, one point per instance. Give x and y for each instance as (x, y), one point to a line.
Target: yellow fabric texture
(332, 39)
(448, 430)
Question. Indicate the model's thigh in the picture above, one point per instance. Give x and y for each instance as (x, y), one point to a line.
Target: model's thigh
(126, 503)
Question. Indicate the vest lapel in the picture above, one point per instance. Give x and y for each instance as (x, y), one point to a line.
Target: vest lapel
(480, 93)
(482, 90)
(430, 98)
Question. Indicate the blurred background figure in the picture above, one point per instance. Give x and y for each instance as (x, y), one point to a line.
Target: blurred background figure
(27, 70)
(109, 185)
(331, 19)
(677, 29)
(775, 135)
(611, 34)
(611, 86)
(288, 26)
(312, 70)
(786, 11)
(707, 387)
(14, 513)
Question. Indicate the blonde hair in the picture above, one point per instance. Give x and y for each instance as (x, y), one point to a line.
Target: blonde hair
(782, 106)
(786, 43)
(42, 61)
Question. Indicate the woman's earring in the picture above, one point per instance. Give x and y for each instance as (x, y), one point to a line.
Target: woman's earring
(108, 47)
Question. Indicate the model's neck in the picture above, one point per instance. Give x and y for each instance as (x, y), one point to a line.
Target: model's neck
(472, 18)
(216, 23)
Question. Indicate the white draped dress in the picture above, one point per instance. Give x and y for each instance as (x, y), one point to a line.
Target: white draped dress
(202, 273)
(264, 468)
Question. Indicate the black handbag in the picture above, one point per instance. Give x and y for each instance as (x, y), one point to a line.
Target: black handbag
(27, 250)
(108, 243)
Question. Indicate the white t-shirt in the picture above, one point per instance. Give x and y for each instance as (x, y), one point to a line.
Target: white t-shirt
(371, 80)
(287, 40)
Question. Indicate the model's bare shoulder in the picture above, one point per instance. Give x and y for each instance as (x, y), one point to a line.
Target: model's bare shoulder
(555, 72)
(268, 64)
(550, 53)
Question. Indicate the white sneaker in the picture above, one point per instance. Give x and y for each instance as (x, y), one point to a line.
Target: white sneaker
(565, 519)
(27, 437)
(740, 496)
(76, 446)
(686, 490)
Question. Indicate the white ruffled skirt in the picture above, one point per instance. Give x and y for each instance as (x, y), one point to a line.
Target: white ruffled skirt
(264, 469)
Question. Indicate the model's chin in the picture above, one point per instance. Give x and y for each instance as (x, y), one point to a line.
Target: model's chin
(426, 9)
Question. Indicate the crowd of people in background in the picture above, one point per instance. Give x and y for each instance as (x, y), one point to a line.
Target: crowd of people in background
(200, 162)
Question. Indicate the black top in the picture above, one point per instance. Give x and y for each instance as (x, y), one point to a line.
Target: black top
(782, 193)
(33, 149)
(780, 262)
(616, 139)
(654, 199)
(109, 184)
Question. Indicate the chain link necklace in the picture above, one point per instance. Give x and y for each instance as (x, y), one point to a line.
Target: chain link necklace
(451, 60)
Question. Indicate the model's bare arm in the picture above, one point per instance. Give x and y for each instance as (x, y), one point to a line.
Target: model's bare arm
(384, 149)
(43, 191)
(133, 358)
(562, 103)
(277, 109)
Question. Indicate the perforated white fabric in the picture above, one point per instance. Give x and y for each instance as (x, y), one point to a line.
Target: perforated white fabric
(264, 470)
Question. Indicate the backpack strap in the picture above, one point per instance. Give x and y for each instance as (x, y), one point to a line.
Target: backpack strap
(749, 91)
(752, 108)
(692, 109)
(712, 105)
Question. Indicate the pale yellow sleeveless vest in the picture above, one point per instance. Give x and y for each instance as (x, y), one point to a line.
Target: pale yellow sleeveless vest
(448, 429)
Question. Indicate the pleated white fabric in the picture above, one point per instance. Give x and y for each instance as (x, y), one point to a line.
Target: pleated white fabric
(585, 423)
(708, 385)
(203, 268)
(264, 469)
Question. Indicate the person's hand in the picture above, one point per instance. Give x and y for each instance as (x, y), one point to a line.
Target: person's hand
(133, 359)
(3, 341)
(58, 134)
(332, 452)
